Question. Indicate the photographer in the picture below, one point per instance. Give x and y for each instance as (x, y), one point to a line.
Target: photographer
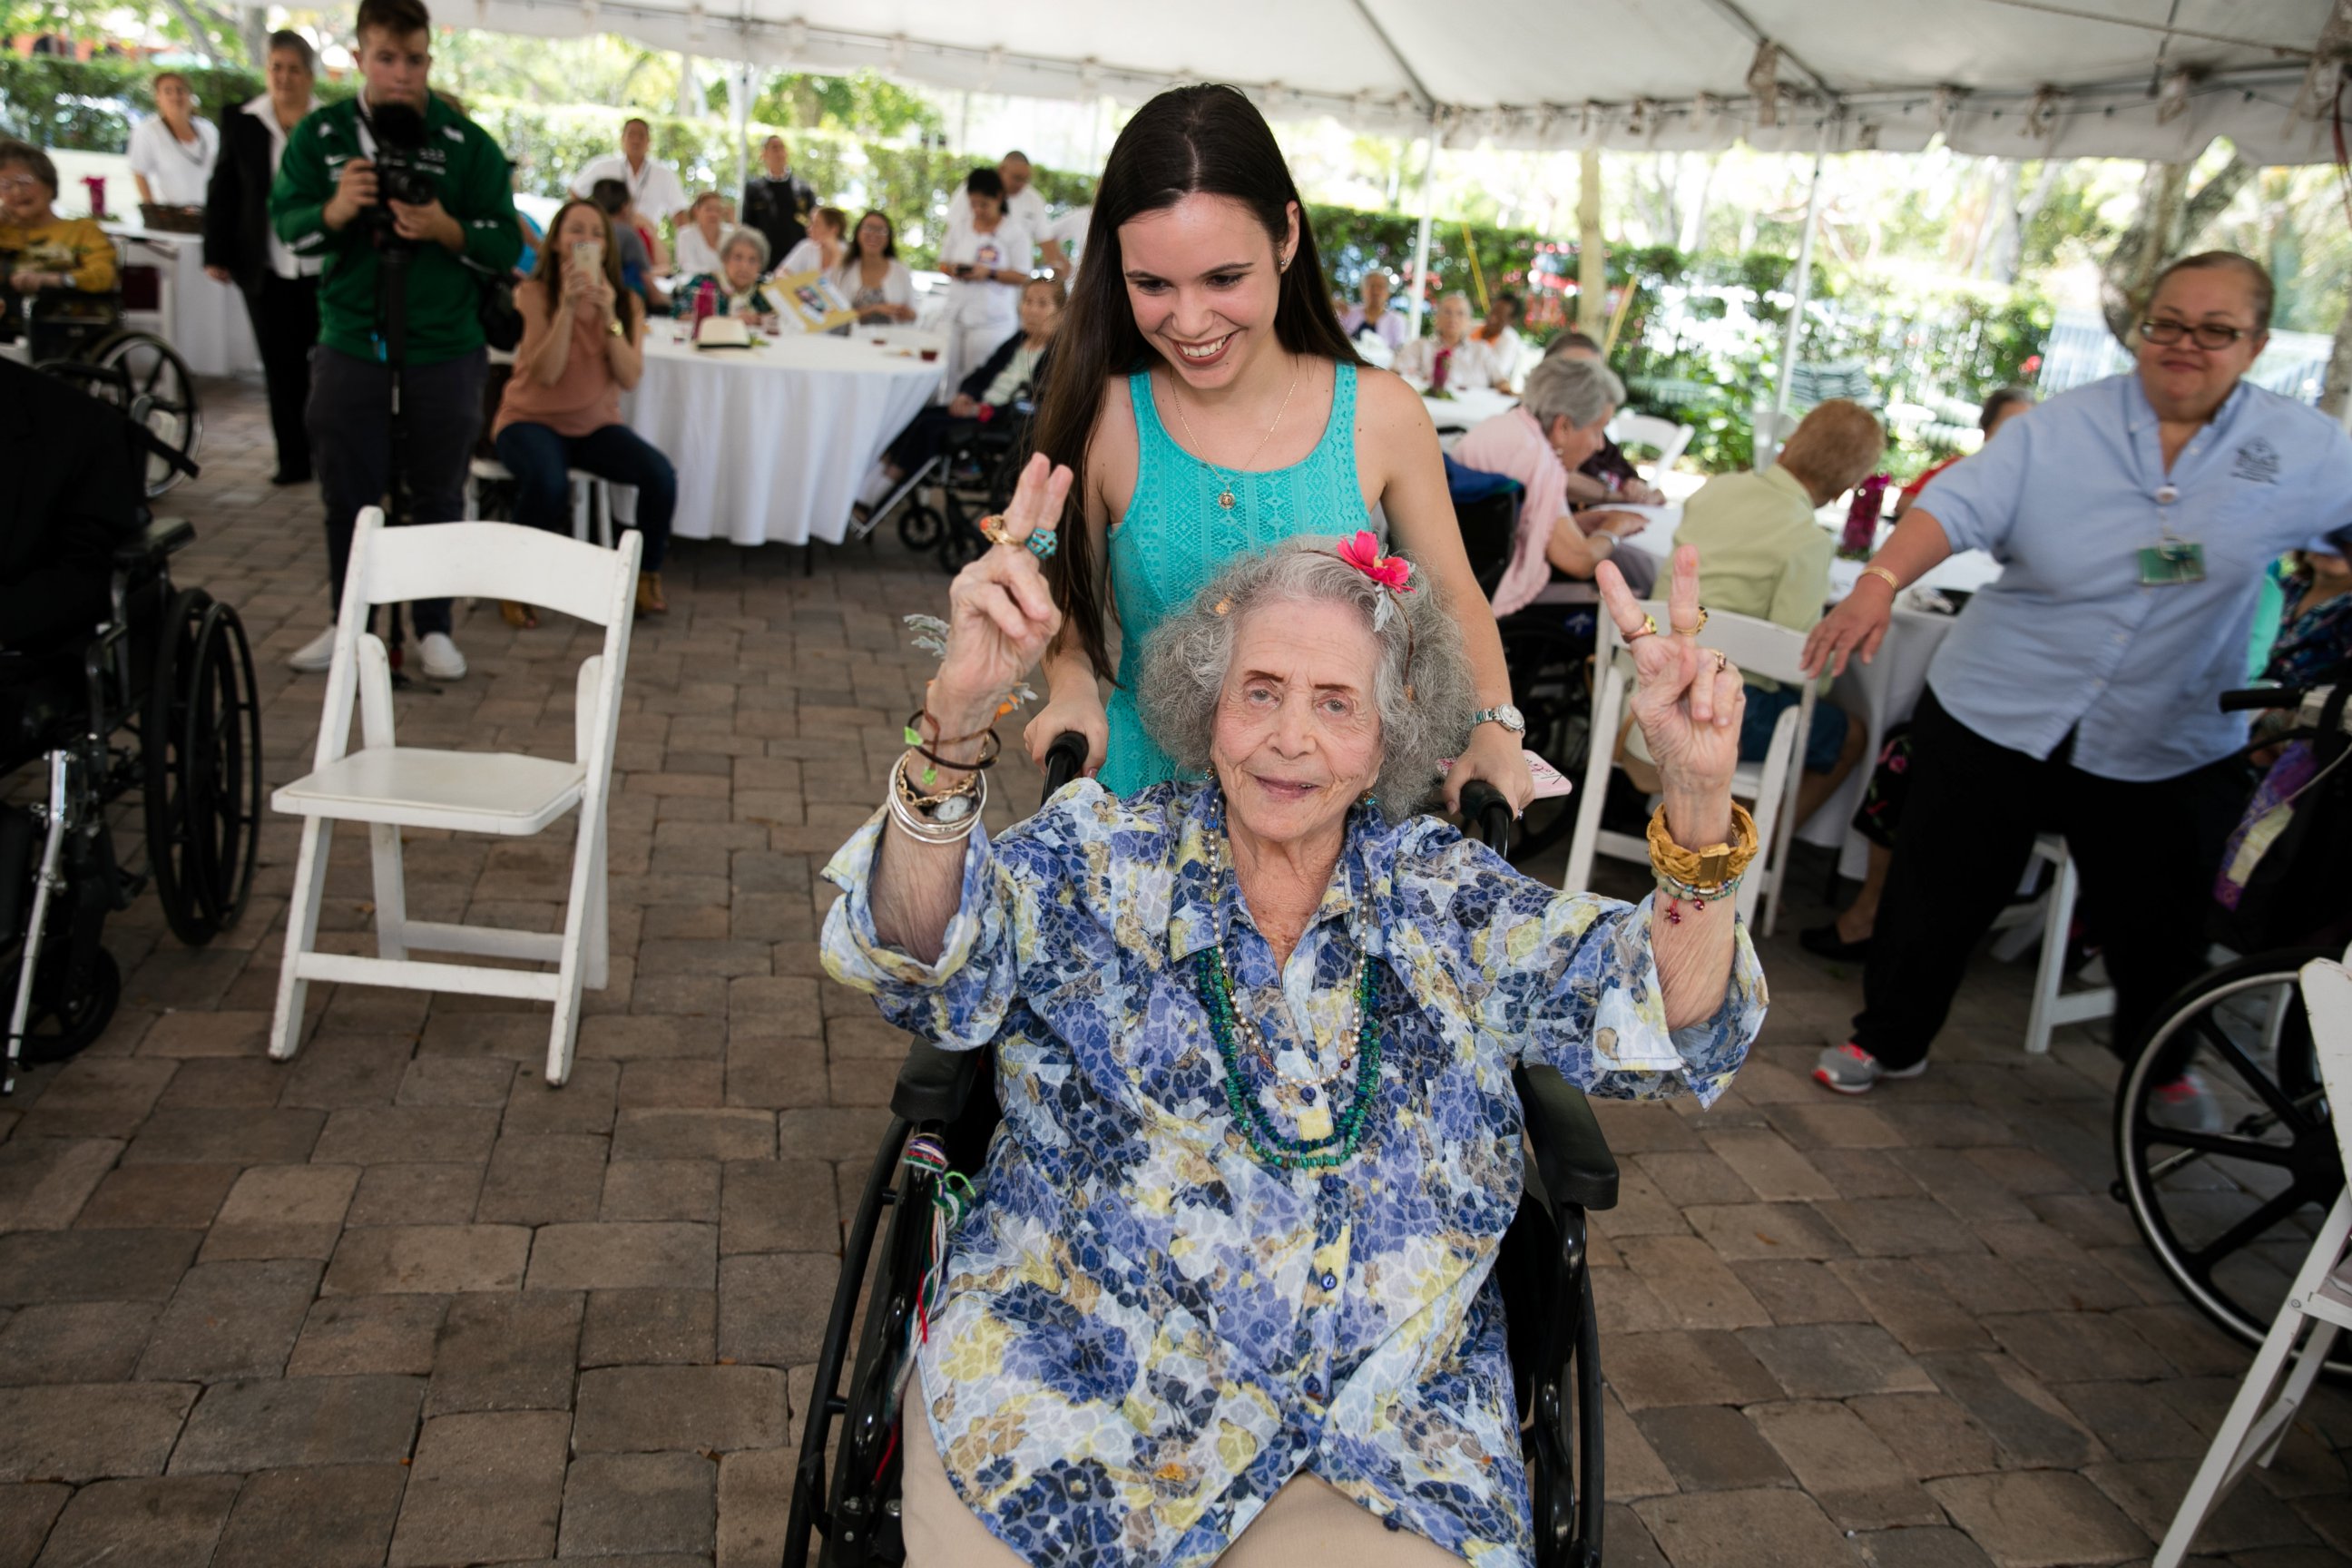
(395, 185)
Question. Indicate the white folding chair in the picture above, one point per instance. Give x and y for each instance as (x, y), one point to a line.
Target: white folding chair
(2047, 922)
(591, 496)
(390, 787)
(2320, 1298)
(1769, 786)
(1648, 430)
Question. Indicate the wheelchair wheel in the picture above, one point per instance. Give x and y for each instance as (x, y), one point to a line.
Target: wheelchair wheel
(960, 548)
(920, 527)
(2231, 1212)
(201, 745)
(145, 378)
(1550, 684)
(56, 1026)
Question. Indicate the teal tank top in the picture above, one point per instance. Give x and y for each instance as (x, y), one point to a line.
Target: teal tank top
(1175, 537)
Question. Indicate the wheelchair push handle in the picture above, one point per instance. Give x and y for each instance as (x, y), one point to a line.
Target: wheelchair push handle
(1483, 805)
(2260, 697)
(1065, 759)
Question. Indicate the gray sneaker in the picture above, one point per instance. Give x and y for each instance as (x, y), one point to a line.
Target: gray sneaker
(2185, 1105)
(1850, 1069)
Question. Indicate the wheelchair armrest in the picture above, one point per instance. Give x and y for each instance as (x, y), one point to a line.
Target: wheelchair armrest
(163, 537)
(933, 1084)
(1565, 1142)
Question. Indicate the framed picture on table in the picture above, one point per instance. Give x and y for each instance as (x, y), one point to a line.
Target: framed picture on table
(813, 303)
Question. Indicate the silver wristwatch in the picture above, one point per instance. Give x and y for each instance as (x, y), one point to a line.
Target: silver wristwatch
(1503, 713)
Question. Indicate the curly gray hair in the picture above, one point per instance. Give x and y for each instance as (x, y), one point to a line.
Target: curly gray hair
(1424, 711)
(1581, 390)
(746, 235)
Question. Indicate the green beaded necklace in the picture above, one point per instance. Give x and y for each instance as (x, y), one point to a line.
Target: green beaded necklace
(1268, 1143)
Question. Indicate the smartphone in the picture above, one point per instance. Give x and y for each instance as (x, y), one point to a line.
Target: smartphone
(588, 254)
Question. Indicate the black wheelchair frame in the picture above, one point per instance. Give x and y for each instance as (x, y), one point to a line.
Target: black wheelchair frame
(171, 667)
(81, 338)
(1541, 1271)
(993, 450)
(1551, 665)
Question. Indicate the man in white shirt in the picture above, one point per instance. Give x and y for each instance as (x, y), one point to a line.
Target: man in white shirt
(653, 188)
(1021, 202)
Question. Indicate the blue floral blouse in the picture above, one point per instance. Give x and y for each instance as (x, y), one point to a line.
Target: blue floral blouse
(1147, 1331)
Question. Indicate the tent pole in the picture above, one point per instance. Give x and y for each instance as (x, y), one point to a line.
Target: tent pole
(1765, 451)
(1414, 305)
(740, 79)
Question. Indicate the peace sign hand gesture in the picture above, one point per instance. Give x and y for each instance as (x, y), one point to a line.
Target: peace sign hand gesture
(1000, 611)
(1688, 699)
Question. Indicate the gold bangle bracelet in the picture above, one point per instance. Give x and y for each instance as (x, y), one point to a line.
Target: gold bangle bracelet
(1894, 583)
(1711, 867)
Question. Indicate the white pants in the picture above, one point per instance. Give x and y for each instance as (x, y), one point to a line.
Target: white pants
(969, 345)
(1310, 1520)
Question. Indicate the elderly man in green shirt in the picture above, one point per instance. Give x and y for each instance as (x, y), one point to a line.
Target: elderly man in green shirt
(1762, 553)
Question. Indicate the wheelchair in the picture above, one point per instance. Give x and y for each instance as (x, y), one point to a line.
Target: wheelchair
(851, 1499)
(160, 700)
(82, 339)
(1546, 649)
(2229, 1212)
(973, 478)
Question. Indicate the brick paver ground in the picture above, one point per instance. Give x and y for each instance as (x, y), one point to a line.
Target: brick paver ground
(398, 1302)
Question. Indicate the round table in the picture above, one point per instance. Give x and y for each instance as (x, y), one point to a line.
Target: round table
(771, 443)
(204, 321)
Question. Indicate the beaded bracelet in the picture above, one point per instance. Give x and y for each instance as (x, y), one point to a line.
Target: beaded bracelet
(1679, 892)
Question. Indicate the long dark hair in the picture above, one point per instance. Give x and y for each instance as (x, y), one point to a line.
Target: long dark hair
(1205, 139)
(889, 235)
(549, 273)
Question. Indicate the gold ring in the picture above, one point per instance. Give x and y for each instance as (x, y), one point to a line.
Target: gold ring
(1693, 631)
(1722, 662)
(994, 529)
(1648, 628)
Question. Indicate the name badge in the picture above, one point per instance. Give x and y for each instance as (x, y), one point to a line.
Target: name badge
(2173, 562)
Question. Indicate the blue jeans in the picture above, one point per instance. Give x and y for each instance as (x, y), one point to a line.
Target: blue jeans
(1764, 711)
(538, 458)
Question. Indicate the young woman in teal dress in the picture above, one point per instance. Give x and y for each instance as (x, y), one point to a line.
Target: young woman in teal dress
(1210, 407)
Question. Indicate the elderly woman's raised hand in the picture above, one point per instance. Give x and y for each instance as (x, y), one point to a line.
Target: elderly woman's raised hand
(1688, 699)
(1002, 611)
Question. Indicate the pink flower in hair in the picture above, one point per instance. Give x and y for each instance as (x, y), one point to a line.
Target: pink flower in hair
(1363, 552)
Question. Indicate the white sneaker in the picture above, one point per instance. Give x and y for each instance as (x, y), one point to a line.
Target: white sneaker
(314, 656)
(440, 657)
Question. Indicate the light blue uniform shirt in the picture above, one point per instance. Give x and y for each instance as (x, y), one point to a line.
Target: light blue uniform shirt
(2068, 638)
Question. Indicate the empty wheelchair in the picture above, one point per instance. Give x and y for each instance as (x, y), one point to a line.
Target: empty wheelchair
(157, 701)
(83, 339)
(846, 1488)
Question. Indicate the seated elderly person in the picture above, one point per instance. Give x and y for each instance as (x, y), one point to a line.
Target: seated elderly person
(1229, 1272)
(1768, 556)
(39, 251)
(701, 235)
(1372, 318)
(1007, 381)
(1563, 416)
(1451, 359)
(736, 288)
(1609, 474)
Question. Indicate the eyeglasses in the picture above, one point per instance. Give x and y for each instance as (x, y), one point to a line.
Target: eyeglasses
(2205, 334)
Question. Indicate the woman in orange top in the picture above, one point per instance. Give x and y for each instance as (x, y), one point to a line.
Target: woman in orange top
(583, 336)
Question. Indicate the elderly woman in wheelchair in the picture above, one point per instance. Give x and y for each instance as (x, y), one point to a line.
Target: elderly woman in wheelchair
(1225, 1285)
(45, 258)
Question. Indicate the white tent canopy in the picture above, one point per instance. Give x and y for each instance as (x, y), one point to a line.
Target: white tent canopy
(2020, 78)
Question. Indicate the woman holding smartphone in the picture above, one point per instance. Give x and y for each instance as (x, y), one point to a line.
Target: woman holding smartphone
(989, 260)
(582, 343)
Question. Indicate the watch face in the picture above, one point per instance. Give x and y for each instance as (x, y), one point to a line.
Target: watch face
(1512, 719)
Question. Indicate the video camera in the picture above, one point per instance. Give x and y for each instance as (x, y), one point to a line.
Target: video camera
(400, 172)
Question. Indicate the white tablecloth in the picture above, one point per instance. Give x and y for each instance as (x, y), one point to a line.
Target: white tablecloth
(1462, 410)
(1883, 692)
(771, 443)
(204, 321)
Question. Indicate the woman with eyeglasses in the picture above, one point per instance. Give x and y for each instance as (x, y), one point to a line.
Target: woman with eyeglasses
(2133, 518)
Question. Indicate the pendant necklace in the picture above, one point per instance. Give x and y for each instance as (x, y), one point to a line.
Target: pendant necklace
(1226, 495)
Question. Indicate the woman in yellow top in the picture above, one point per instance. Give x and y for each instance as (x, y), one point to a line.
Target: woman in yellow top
(39, 249)
(1763, 554)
